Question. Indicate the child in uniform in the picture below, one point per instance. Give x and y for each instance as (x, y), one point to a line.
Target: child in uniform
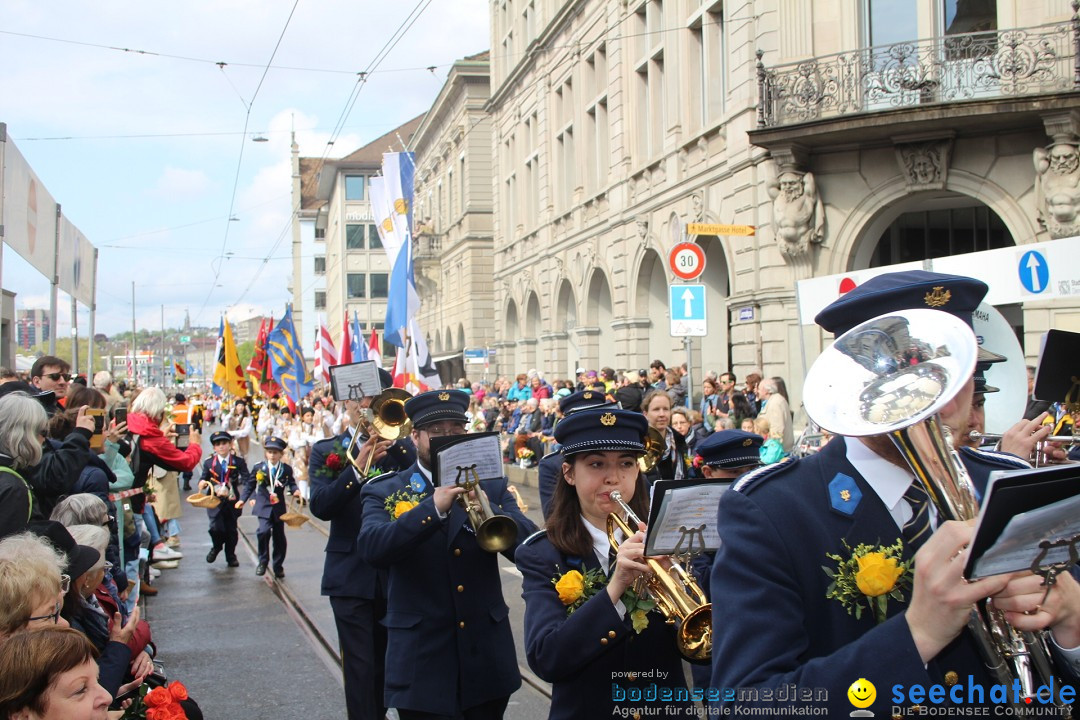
(266, 490)
(226, 474)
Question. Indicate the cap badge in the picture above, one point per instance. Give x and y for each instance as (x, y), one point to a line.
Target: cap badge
(748, 442)
(587, 396)
(607, 419)
(444, 396)
(939, 297)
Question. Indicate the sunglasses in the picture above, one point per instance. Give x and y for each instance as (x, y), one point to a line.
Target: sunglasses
(54, 616)
(55, 377)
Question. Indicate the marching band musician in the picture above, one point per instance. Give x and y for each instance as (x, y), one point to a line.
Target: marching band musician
(451, 652)
(549, 471)
(226, 474)
(781, 525)
(579, 633)
(357, 591)
(266, 489)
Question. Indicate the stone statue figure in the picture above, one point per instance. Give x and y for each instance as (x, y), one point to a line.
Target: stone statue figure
(798, 215)
(1057, 188)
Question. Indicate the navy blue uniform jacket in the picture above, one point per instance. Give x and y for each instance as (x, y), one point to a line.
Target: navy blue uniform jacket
(285, 486)
(584, 654)
(335, 496)
(236, 474)
(450, 645)
(773, 625)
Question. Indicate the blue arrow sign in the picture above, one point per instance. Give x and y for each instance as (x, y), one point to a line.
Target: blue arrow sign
(687, 302)
(1034, 271)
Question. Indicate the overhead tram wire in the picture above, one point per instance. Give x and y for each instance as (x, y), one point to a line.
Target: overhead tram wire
(240, 159)
(383, 53)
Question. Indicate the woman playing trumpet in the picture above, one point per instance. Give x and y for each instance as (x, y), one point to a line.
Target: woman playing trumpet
(597, 643)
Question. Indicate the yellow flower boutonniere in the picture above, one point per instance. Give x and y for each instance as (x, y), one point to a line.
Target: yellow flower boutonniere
(401, 502)
(260, 477)
(575, 587)
(868, 578)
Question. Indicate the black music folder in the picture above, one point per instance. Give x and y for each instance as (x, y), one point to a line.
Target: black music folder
(1022, 509)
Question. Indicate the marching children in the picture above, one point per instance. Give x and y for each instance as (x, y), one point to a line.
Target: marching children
(266, 487)
(226, 474)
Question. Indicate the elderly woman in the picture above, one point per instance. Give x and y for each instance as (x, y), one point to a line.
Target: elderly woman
(87, 509)
(22, 427)
(152, 447)
(574, 589)
(110, 636)
(51, 674)
(32, 585)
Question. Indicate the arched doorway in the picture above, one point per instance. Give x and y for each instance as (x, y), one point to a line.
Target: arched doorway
(599, 317)
(651, 302)
(927, 226)
(567, 351)
(716, 346)
(508, 364)
(532, 331)
(449, 344)
(461, 336)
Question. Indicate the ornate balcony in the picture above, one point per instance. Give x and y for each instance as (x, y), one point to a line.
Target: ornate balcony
(987, 66)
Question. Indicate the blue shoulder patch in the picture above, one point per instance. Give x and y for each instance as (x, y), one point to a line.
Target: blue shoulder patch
(417, 483)
(534, 536)
(752, 479)
(844, 494)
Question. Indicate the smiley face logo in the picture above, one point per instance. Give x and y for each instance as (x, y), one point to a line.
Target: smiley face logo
(862, 693)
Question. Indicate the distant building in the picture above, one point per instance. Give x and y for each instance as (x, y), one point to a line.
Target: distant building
(32, 328)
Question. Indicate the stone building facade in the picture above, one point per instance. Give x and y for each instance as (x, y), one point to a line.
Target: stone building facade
(452, 245)
(849, 133)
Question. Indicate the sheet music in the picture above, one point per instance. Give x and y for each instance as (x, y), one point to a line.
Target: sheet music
(1018, 544)
(355, 381)
(686, 521)
(483, 452)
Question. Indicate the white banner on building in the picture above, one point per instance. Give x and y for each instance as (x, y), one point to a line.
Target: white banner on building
(29, 212)
(1036, 271)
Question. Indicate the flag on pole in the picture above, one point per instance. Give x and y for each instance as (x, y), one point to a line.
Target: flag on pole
(179, 370)
(287, 360)
(374, 352)
(219, 357)
(325, 353)
(345, 346)
(228, 374)
(413, 369)
(392, 200)
(258, 358)
(359, 349)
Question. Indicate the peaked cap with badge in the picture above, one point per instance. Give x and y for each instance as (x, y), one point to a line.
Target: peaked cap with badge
(730, 449)
(436, 405)
(583, 400)
(602, 429)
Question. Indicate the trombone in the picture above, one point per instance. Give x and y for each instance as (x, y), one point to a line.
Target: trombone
(386, 418)
(676, 592)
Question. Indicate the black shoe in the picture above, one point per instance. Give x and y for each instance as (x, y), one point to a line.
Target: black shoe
(279, 574)
(212, 555)
(233, 562)
(187, 486)
(260, 569)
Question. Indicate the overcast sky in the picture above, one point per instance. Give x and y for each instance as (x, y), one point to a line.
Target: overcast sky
(157, 207)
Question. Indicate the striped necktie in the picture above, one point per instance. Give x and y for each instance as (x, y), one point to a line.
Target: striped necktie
(917, 529)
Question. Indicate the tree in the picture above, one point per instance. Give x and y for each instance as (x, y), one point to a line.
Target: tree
(245, 351)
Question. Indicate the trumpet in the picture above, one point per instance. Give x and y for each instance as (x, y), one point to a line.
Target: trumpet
(386, 418)
(494, 533)
(655, 447)
(675, 591)
(892, 375)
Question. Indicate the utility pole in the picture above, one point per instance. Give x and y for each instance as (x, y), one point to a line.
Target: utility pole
(134, 363)
(162, 347)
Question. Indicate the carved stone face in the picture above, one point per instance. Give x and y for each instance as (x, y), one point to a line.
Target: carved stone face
(1064, 159)
(922, 166)
(791, 185)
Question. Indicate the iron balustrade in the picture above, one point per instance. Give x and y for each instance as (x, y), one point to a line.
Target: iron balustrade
(954, 68)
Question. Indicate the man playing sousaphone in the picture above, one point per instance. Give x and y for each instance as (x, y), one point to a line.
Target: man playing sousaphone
(830, 570)
(451, 652)
(586, 630)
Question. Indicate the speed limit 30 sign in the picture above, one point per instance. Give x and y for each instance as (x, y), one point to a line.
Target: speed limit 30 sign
(687, 260)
